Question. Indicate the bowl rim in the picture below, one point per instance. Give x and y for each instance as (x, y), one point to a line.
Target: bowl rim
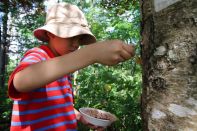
(104, 120)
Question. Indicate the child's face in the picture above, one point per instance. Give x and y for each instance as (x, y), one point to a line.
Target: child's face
(62, 46)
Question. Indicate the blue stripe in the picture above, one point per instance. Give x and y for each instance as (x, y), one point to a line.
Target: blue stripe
(37, 49)
(43, 59)
(40, 110)
(62, 79)
(57, 125)
(30, 61)
(40, 50)
(41, 119)
(38, 55)
(42, 99)
(28, 57)
(51, 88)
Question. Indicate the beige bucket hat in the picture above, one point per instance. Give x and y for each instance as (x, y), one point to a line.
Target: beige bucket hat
(65, 20)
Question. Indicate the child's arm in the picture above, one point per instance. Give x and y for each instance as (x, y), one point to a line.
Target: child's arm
(37, 75)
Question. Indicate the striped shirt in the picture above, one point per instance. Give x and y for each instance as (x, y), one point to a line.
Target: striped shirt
(46, 108)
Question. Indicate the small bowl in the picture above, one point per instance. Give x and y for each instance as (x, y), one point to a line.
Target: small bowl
(97, 117)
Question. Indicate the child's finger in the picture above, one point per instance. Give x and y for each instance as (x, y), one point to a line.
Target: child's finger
(125, 55)
(129, 48)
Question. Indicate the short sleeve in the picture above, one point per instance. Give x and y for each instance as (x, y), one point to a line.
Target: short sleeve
(31, 57)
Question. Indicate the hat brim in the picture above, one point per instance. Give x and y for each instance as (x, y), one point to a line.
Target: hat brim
(65, 31)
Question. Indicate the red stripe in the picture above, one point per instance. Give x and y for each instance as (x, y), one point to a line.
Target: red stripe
(37, 55)
(36, 50)
(40, 95)
(30, 117)
(44, 124)
(56, 121)
(58, 83)
(21, 128)
(34, 106)
(60, 128)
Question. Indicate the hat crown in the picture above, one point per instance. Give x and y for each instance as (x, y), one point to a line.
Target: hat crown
(65, 13)
(65, 20)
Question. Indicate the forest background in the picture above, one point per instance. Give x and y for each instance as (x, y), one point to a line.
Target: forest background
(115, 89)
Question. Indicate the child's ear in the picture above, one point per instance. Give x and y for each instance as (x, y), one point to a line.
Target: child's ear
(50, 35)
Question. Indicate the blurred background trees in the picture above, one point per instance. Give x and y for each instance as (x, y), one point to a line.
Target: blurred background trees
(115, 89)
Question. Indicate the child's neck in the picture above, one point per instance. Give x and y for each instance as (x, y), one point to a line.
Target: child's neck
(53, 50)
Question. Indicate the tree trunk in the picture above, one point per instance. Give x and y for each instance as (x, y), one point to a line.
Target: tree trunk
(169, 47)
(4, 44)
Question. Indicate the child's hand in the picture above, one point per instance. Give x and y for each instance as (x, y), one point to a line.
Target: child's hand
(82, 120)
(112, 52)
(97, 128)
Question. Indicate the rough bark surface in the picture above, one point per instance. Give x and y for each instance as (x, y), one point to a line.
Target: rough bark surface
(169, 55)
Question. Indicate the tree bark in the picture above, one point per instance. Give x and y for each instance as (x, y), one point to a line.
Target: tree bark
(169, 47)
(4, 44)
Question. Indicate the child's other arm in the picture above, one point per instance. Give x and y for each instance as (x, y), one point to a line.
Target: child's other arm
(37, 75)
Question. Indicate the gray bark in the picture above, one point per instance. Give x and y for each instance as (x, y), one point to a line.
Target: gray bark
(169, 55)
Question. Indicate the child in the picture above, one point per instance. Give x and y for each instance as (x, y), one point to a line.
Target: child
(40, 85)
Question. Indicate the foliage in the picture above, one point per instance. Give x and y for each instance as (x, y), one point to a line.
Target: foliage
(6, 103)
(113, 89)
(27, 22)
